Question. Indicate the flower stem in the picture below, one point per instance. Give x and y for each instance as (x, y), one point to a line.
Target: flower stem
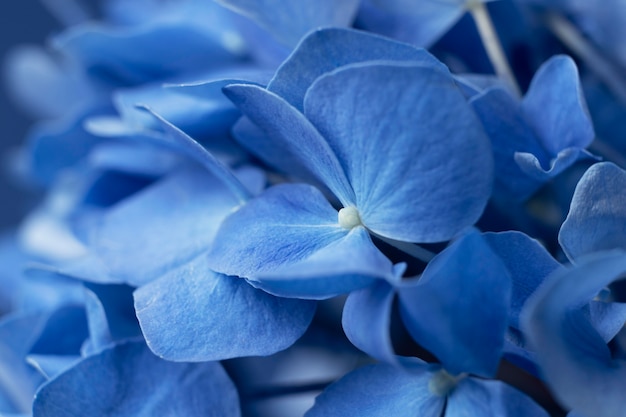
(67, 12)
(492, 44)
(605, 70)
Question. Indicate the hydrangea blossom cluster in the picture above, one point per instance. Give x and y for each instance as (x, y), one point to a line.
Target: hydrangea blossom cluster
(320, 208)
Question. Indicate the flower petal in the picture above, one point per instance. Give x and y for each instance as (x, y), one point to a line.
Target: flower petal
(490, 399)
(419, 174)
(137, 384)
(289, 20)
(289, 130)
(160, 228)
(327, 49)
(195, 314)
(284, 225)
(573, 357)
(458, 309)
(366, 320)
(421, 23)
(379, 390)
(344, 265)
(555, 107)
(128, 56)
(597, 216)
(528, 263)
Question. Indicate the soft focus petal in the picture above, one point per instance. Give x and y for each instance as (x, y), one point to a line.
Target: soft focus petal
(418, 22)
(475, 397)
(144, 53)
(161, 227)
(18, 381)
(597, 216)
(573, 357)
(379, 390)
(137, 384)
(59, 144)
(289, 20)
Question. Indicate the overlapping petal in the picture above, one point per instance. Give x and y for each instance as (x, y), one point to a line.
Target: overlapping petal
(555, 107)
(343, 265)
(325, 50)
(289, 20)
(128, 56)
(137, 383)
(294, 134)
(295, 246)
(490, 399)
(195, 314)
(371, 114)
(458, 309)
(421, 23)
(538, 138)
(377, 390)
(366, 320)
(573, 357)
(160, 228)
(597, 216)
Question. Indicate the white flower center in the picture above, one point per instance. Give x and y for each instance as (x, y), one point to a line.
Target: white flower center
(349, 218)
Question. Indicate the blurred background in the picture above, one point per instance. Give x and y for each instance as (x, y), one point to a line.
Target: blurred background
(21, 22)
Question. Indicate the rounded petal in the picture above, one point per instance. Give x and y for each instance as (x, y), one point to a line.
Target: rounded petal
(285, 128)
(128, 380)
(327, 49)
(160, 228)
(597, 217)
(366, 320)
(484, 398)
(195, 314)
(458, 309)
(414, 152)
(289, 20)
(573, 357)
(344, 265)
(284, 225)
(555, 107)
(379, 390)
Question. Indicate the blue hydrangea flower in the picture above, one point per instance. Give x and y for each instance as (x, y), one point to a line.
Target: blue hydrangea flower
(427, 391)
(392, 116)
(573, 356)
(538, 138)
